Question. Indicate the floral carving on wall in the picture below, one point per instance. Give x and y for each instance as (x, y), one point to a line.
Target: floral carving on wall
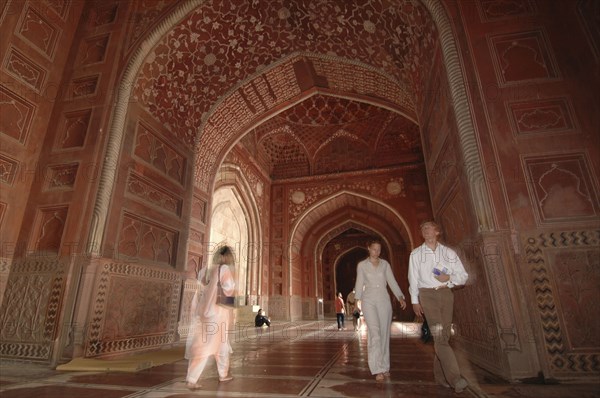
(217, 46)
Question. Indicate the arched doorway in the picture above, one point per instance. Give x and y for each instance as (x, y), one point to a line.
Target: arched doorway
(335, 226)
(229, 227)
(345, 269)
(238, 212)
(259, 95)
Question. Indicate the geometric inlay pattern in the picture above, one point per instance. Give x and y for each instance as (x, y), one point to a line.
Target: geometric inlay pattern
(377, 187)
(30, 312)
(325, 134)
(562, 359)
(135, 308)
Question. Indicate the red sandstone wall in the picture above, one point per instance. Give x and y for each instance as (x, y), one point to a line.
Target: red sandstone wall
(34, 46)
(62, 60)
(533, 83)
(35, 38)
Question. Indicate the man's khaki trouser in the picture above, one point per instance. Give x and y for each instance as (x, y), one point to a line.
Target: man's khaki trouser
(438, 306)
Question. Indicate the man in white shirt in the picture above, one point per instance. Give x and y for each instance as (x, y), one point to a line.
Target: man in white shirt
(433, 270)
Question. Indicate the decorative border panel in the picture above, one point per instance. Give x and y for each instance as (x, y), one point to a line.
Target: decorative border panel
(24, 69)
(39, 32)
(103, 15)
(562, 360)
(60, 176)
(60, 7)
(31, 309)
(84, 87)
(110, 271)
(157, 152)
(8, 169)
(523, 57)
(93, 50)
(541, 117)
(495, 10)
(17, 115)
(190, 288)
(149, 192)
(142, 239)
(48, 229)
(199, 208)
(74, 129)
(588, 11)
(554, 180)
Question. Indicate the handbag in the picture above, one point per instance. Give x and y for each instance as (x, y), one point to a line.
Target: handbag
(426, 336)
(222, 299)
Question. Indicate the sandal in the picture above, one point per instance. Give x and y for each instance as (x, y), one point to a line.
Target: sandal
(226, 378)
(379, 377)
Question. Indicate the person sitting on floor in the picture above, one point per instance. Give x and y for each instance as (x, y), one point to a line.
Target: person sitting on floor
(261, 319)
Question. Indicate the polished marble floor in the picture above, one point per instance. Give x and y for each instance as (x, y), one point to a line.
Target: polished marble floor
(311, 359)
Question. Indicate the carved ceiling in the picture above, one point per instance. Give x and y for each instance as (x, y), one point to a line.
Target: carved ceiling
(220, 45)
(325, 134)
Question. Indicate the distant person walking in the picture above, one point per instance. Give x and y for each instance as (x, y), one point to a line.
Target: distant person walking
(340, 309)
(352, 310)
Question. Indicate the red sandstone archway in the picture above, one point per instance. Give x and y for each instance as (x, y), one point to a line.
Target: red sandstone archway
(326, 219)
(230, 114)
(230, 175)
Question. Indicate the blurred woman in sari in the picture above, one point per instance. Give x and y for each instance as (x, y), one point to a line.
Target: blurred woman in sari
(211, 322)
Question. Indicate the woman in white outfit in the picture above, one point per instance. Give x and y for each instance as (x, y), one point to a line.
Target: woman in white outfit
(372, 276)
(211, 323)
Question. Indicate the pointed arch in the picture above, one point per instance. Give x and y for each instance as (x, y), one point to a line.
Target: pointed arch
(335, 230)
(117, 127)
(454, 68)
(464, 115)
(325, 206)
(232, 176)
